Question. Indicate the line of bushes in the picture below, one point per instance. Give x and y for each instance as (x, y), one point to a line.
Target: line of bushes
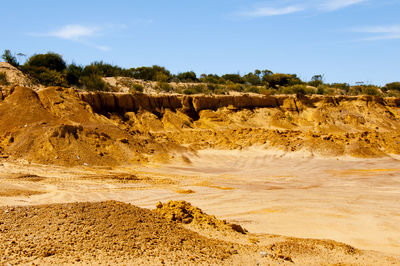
(51, 70)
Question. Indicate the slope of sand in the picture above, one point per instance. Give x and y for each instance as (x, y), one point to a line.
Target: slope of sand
(354, 201)
(117, 233)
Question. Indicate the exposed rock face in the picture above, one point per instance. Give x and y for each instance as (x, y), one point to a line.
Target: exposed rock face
(14, 75)
(126, 102)
(63, 126)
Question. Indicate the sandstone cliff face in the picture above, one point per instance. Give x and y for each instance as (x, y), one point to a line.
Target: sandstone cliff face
(126, 102)
(64, 126)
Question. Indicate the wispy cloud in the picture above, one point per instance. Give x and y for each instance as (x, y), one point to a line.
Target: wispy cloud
(379, 32)
(270, 11)
(77, 33)
(74, 32)
(339, 4)
(293, 6)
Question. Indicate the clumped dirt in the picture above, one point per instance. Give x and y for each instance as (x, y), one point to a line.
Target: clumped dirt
(117, 233)
(106, 232)
(184, 212)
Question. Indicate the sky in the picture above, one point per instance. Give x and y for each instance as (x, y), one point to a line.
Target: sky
(343, 40)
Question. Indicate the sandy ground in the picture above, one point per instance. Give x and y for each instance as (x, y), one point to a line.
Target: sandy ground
(355, 201)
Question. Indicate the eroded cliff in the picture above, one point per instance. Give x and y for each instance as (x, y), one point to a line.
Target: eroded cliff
(64, 126)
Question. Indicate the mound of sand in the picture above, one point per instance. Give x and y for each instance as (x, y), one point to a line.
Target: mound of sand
(107, 232)
(184, 212)
(117, 233)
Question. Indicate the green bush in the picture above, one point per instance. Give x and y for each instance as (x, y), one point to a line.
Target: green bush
(154, 73)
(73, 74)
(93, 83)
(211, 79)
(371, 90)
(234, 87)
(200, 88)
(394, 86)
(364, 89)
(253, 78)
(316, 80)
(135, 87)
(279, 80)
(297, 89)
(45, 76)
(3, 79)
(105, 70)
(342, 86)
(189, 76)
(52, 78)
(163, 86)
(234, 78)
(50, 61)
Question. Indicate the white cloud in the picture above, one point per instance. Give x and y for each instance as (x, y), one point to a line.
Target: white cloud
(270, 11)
(74, 32)
(278, 8)
(78, 33)
(380, 32)
(333, 5)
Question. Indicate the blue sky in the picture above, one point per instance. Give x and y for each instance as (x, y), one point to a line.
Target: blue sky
(344, 40)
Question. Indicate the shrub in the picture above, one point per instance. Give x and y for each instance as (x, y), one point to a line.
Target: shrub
(342, 86)
(163, 86)
(394, 86)
(93, 83)
(10, 58)
(135, 87)
(211, 78)
(253, 89)
(252, 78)
(44, 75)
(189, 76)
(73, 74)
(234, 78)
(316, 81)
(50, 61)
(154, 73)
(103, 69)
(234, 87)
(200, 88)
(278, 80)
(52, 78)
(371, 90)
(3, 78)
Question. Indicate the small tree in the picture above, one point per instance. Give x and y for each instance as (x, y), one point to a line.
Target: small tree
(74, 73)
(10, 58)
(316, 81)
(50, 61)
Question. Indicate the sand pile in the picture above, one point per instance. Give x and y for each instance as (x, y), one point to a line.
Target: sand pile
(106, 232)
(117, 233)
(184, 212)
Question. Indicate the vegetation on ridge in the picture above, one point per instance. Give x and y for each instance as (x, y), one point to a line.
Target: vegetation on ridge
(51, 70)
